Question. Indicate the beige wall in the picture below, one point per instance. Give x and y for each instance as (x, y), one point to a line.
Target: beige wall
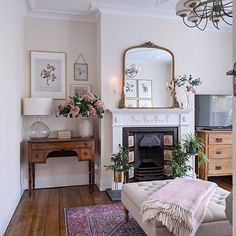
(73, 38)
(205, 54)
(11, 92)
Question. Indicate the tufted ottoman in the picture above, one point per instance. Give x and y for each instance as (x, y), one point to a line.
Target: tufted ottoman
(214, 223)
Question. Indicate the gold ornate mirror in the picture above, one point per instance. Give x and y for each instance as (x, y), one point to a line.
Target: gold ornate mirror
(147, 69)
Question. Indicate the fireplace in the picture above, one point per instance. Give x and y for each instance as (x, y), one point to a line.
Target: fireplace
(149, 151)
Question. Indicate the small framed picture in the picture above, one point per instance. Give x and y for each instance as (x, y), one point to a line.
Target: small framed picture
(131, 156)
(167, 155)
(130, 88)
(48, 74)
(130, 141)
(81, 71)
(131, 103)
(145, 103)
(145, 88)
(168, 140)
(80, 89)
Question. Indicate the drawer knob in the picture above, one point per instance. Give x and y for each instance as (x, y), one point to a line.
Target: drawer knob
(218, 167)
(218, 152)
(85, 144)
(85, 153)
(219, 140)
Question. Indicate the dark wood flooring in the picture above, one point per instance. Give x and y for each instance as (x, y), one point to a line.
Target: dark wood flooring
(43, 213)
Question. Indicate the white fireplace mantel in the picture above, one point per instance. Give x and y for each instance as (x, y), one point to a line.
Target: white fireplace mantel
(181, 118)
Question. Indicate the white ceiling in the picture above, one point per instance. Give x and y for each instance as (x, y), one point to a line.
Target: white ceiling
(87, 9)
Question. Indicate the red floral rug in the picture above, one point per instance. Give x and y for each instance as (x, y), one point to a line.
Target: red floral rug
(100, 220)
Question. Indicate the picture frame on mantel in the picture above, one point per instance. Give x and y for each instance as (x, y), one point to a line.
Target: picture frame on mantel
(48, 78)
(80, 89)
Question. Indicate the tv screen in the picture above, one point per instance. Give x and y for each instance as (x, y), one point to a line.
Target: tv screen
(213, 111)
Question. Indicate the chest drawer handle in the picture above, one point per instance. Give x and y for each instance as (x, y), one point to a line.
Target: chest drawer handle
(85, 144)
(218, 167)
(219, 140)
(85, 153)
(218, 152)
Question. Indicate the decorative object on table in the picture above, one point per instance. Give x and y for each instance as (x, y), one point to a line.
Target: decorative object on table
(103, 220)
(197, 13)
(86, 106)
(48, 74)
(179, 161)
(81, 69)
(190, 85)
(63, 134)
(79, 89)
(144, 88)
(38, 107)
(131, 88)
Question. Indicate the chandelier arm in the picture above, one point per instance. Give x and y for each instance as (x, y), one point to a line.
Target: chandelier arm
(206, 22)
(226, 4)
(226, 13)
(225, 20)
(190, 26)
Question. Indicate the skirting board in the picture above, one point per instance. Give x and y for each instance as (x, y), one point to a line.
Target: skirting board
(8, 213)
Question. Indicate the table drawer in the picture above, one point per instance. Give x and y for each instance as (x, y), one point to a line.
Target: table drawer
(85, 154)
(219, 166)
(220, 151)
(38, 157)
(219, 138)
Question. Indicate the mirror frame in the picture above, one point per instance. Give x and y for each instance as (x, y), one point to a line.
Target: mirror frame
(149, 44)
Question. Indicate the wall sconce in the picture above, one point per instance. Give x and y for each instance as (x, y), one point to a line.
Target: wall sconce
(114, 85)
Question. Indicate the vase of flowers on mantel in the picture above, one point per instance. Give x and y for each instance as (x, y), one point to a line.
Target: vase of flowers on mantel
(190, 85)
(87, 106)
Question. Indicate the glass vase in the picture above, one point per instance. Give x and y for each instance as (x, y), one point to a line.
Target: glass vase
(86, 127)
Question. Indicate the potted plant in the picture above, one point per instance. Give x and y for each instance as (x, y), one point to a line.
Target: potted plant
(179, 162)
(119, 164)
(193, 144)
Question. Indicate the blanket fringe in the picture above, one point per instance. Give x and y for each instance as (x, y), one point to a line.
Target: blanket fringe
(175, 218)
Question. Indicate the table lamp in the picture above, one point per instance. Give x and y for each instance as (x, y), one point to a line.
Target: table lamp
(38, 107)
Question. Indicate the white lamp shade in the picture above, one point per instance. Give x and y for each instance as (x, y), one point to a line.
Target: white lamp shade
(37, 106)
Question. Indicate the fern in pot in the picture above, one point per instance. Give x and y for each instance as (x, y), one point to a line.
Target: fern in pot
(119, 164)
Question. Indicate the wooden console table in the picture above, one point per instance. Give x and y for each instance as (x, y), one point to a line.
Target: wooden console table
(40, 150)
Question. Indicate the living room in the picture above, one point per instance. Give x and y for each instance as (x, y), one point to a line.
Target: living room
(96, 34)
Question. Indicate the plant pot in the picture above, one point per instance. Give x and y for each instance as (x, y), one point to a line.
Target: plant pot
(118, 176)
(192, 150)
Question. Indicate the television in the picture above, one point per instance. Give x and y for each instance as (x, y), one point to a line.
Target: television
(213, 112)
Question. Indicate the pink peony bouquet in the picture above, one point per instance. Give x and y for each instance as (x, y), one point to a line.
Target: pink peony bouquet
(87, 105)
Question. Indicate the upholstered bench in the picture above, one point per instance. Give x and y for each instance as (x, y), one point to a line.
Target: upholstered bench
(214, 223)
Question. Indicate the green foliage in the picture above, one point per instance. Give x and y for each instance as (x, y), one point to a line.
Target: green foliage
(202, 158)
(179, 162)
(120, 160)
(192, 141)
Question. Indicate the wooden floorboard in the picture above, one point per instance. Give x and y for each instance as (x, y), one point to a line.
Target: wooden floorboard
(43, 213)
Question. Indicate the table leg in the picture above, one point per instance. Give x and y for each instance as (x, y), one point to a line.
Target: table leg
(93, 174)
(30, 178)
(33, 170)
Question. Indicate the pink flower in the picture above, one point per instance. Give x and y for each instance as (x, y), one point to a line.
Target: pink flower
(88, 97)
(99, 104)
(92, 111)
(75, 111)
(69, 101)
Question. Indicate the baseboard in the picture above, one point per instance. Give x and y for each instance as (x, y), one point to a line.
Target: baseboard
(8, 213)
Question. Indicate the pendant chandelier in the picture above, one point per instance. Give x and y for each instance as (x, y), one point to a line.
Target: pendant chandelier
(197, 13)
(132, 71)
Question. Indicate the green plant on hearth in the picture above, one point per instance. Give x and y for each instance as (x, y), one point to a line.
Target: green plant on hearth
(120, 164)
(202, 158)
(193, 144)
(179, 161)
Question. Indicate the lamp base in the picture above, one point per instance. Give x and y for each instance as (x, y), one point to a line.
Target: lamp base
(38, 130)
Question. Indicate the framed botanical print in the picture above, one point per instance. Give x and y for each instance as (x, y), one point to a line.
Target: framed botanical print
(48, 74)
(130, 88)
(81, 71)
(80, 89)
(145, 103)
(131, 103)
(145, 88)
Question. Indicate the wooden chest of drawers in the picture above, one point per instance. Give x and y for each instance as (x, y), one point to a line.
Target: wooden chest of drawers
(218, 149)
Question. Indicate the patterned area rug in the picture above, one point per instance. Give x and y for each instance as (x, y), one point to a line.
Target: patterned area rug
(100, 220)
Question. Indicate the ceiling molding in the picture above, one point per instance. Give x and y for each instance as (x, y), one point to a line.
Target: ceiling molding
(95, 10)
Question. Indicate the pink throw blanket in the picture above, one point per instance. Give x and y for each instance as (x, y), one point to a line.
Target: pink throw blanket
(180, 205)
